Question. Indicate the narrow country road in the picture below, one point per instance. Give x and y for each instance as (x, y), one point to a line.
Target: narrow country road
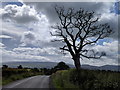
(35, 82)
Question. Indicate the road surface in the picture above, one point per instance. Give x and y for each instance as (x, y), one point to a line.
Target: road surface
(41, 81)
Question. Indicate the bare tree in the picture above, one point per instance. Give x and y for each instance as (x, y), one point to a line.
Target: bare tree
(75, 29)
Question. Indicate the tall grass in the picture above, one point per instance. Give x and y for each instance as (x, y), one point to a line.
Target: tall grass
(60, 80)
(86, 80)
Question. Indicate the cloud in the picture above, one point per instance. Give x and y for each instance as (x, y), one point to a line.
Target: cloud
(28, 38)
(5, 36)
(11, 29)
(32, 54)
(11, 56)
(48, 7)
(2, 45)
(52, 54)
(112, 20)
(20, 14)
(111, 50)
(36, 51)
(31, 34)
(101, 8)
(11, 34)
(106, 47)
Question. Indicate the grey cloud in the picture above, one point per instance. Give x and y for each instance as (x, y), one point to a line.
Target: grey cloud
(28, 38)
(102, 8)
(20, 14)
(2, 45)
(49, 54)
(29, 35)
(48, 7)
(27, 53)
(5, 36)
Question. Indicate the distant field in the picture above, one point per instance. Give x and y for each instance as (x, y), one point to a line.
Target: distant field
(86, 80)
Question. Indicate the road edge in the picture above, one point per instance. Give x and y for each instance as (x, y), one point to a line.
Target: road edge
(51, 86)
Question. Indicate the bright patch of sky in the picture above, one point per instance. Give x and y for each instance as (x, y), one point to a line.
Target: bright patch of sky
(100, 42)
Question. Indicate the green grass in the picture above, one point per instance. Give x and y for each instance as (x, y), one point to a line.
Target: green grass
(0, 80)
(86, 80)
(9, 75)
(6, 80)
(61, 81)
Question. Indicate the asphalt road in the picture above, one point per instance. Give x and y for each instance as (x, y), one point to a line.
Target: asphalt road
(41, 81)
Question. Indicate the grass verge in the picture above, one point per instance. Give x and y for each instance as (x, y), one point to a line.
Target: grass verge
(60, 80)
(86, 80)
(9, 75)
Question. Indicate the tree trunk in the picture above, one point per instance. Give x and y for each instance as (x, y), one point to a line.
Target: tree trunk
(77, 62)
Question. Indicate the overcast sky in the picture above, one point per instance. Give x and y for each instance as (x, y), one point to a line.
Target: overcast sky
(26, 25)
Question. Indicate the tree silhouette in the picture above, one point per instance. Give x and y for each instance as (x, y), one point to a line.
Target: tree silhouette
(78, 29)
(61, 66)
(4, 66)
(20, 67)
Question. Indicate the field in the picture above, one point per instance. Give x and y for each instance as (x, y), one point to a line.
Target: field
(13, 74)
(86, 80)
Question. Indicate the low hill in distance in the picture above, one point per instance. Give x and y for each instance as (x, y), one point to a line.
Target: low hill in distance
(31, 64)
(52, 64)
(105, 67)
